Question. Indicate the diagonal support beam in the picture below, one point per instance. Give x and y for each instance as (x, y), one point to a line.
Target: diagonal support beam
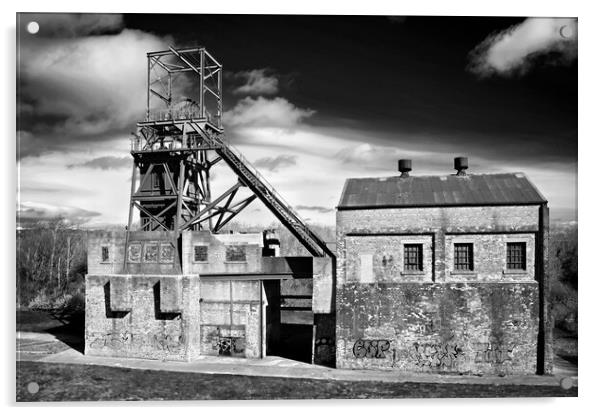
(210, 206)
(241, 205)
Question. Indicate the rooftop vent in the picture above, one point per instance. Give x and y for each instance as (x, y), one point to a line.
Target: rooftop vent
(461, 165)
(405, 167)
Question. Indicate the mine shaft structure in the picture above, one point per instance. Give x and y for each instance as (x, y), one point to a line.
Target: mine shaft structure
(177, 144)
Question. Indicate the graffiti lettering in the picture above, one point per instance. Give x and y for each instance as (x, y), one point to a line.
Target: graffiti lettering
(493, 354)
(436, 355)
(167, 342)
(113, 340)
(371, 348)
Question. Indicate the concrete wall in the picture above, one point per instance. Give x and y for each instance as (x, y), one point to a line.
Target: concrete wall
(216, 250)
(476, 328)
(437, 319)
(173, 317)
(114, 242)
(143, 316)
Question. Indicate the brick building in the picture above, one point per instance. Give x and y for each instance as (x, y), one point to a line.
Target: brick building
(443, 274)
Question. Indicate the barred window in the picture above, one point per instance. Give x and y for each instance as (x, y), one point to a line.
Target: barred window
(236, 253)
(412, 257)
(200, 253)
(463, 257)
(104, 254)
(516, 256)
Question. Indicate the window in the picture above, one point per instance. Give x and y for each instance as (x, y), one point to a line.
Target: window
(463, 257)
(412, 257)
(516, 256)
(236, 253)
(200, 253)
(104, 254)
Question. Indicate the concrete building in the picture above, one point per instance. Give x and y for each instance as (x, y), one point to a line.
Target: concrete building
(443, 274)
(229, 300)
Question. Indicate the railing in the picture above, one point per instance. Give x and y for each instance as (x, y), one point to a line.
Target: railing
(183, 114)
(173, 143)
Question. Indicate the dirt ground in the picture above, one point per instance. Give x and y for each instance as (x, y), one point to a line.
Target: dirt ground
(59, 382)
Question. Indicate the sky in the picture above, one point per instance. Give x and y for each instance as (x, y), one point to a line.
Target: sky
(309, 100)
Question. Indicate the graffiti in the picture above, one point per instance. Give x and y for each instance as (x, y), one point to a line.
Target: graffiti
(436, 355)
(493, 354)
(374, 349)
(169, 342)
(113, 340)
(387, 261)
(230, 346)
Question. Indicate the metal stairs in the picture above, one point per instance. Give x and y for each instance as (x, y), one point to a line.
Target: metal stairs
(270, 197)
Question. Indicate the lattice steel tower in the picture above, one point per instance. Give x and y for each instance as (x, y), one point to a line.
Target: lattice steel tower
(175, 147)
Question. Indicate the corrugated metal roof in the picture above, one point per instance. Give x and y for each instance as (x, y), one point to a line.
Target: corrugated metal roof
(471, 190)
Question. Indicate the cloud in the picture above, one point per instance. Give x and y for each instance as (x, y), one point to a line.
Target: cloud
(81, 88)
(513, 51)
(72, 24)
(33, 211)
(276, 163)
(262, 112)
(257, 82)
(104, 163)
(318, 209)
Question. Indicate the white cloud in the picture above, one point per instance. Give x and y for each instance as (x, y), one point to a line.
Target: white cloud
(511, 51)
(257, 82)
(277, 112)
(87, 85)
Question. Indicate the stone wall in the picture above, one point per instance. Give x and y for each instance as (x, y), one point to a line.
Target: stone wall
(388, 317)
(471, 328)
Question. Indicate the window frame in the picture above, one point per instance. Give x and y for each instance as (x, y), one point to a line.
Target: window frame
(522, 255)
(420, 258)
(102, 251)
(470, 257)
(194, 260)
(239, 246)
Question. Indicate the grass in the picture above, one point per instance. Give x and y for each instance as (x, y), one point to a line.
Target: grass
(63, 382)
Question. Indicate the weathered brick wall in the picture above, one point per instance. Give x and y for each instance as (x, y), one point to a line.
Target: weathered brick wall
(216, 252)
(142, 316)
(473, 328)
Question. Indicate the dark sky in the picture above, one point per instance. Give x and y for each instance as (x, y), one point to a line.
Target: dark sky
(396, 74)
